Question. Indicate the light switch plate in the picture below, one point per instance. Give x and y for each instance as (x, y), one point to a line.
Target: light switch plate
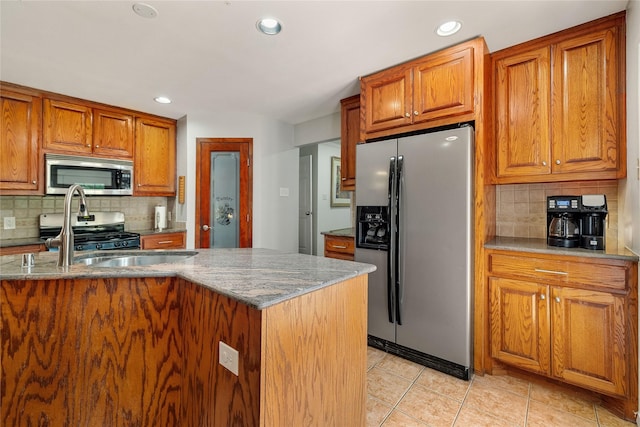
(9, 222)
(228, 357)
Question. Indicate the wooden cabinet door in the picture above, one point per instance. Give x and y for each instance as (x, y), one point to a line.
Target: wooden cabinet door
(443, 85)
(387, 99)
(112, 134)
(519, 323)
(67, 127)
(522, 102)
(585, 118)
(155, 158)
(349, 138)
(589, 339)
(20, 143)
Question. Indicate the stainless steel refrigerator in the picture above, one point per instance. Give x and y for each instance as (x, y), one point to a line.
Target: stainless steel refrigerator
(414, 222)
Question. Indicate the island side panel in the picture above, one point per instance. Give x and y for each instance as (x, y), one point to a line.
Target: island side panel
(314, 361)
(211, 394)
(90, 352)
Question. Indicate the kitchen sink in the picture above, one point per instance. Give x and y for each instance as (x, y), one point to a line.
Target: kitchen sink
(130, 260)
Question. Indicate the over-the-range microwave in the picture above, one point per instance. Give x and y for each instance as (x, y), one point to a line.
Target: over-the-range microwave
(104, 177)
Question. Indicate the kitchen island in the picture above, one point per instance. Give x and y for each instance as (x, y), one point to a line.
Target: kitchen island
(140, 345)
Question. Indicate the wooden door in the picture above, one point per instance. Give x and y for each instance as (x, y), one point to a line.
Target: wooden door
(584, 112)
(443, 85)
(112, 134)
(155, 158)
(349, 138)
(522, 102)
(386, 98)
(208, 216)
(519, 323)
(589, 339)
(20, 143)
(67, 127)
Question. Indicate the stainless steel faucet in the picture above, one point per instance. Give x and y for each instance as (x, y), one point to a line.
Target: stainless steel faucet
(64, 240)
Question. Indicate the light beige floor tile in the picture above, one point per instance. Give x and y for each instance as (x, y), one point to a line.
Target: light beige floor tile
(542, 415)
(398, 419)
(564, 400)
(509, 383)
(374, 356)
(430, 407)
(607, 419)
(472, 417)
(443, 384)
(497, 401)
(376, 411)
(386, 386)
(401, 367)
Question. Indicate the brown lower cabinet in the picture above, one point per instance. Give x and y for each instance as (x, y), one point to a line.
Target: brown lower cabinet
(340, 247)
(144, 352)
(175, 240)
(23, 249)
(573, 319)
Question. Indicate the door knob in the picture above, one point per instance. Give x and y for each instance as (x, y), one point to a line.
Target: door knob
(205, 227)
(307, 213)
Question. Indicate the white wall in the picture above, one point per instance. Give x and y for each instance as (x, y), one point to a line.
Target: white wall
(322, 129)
(328, 218)
(275, 166)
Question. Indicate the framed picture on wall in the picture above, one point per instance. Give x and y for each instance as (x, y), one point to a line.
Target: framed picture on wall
(338, 198)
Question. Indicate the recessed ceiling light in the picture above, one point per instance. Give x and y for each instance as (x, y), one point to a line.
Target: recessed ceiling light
(448, 28)
(145, 10)
(162, 100)
(269, 26)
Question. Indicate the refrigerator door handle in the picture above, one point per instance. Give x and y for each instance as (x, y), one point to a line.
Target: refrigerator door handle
(397, 267)
(391, 251)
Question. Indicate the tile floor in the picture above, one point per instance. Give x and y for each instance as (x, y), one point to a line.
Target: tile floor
(405, 394)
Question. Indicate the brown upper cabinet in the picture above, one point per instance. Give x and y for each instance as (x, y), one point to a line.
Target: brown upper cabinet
(429, 91)
(20, 163)
(155, 157)
(349, 138)
(559, 106)
(76, 128)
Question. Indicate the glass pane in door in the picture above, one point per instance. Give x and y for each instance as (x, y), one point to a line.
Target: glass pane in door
(225, 184)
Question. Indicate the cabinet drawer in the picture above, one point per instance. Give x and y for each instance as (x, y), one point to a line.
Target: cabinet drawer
(163, 241)
(339, 247)
(580, 271)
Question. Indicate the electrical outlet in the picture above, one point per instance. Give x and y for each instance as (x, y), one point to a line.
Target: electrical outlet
(9, 222)
(228, 357)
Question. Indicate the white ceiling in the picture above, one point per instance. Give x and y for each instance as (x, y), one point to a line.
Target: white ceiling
(208, 56)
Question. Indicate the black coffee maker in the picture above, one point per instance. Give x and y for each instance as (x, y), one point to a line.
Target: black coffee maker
(592, 221)
(563, 221)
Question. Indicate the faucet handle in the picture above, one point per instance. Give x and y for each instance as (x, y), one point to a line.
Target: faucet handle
(53, 242)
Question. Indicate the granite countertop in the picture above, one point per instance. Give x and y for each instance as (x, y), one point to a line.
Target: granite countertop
(540, 246)
(258, 278)
(341, 232)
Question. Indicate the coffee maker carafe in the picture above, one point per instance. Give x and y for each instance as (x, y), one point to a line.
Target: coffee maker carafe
(592, 221)
(563, 221)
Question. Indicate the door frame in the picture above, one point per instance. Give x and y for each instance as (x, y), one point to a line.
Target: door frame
(204, 148)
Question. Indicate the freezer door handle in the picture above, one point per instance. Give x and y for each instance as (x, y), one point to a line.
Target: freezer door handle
(398, 225)
(391, 251)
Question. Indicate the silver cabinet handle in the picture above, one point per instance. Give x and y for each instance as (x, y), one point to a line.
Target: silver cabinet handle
(544, 163)
(415, 113)
(543, 296)
(557, 162)
(557, 299)
(338, 247)
(165, 242)
(407, 115)
(34, 182)
(205, 227)
(562, 273)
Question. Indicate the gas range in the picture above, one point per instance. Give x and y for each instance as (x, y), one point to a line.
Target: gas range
(105, 233)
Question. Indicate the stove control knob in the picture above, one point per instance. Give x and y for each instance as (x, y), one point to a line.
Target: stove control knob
(116, 244)
(125, 243)
(98, 246)
(79, 247)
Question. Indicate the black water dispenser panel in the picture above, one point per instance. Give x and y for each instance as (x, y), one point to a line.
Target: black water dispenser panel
(372, 231)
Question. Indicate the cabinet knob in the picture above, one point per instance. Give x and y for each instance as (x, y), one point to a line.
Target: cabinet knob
(543, 296)
(407, 115)
(557, 162)
(88, 145)
(97, 146)
(544, 163)
(34, 182)
(415, 113)
(557, 299)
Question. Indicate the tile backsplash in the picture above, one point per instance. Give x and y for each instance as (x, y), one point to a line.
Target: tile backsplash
(521, 209)
(138, 211)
